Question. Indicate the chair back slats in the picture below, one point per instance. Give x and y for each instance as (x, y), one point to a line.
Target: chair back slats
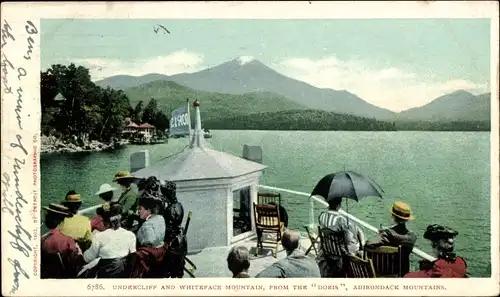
(267, 198)
(267, 216)
(386, 260)
(360, 268)
(267, 220)
(332, 243)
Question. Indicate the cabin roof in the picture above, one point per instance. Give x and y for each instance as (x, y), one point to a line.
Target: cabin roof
(200, 163)
(132, 124)
(146, 125)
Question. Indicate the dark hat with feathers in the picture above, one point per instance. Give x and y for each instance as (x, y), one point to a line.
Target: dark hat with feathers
(436, 232)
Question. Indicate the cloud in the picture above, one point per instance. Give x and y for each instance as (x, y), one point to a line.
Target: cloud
(391, 88)
(173, 63)
(245, 59)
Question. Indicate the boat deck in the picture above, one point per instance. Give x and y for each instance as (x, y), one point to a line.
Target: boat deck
(211, 262)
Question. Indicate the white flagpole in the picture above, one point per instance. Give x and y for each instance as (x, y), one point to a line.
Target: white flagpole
(189, 119)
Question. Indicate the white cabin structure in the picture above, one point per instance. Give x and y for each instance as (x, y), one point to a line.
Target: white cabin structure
(219, 189)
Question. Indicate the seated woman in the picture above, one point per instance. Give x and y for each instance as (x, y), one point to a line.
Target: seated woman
(128, 197)
(60, 255)
(152, 231)
(106, 194)
(151, 251)
(76, 226)
(112, 246)
(145, 187)
(447, 265)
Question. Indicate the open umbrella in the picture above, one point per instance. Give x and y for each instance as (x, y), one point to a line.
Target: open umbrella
(346, 184)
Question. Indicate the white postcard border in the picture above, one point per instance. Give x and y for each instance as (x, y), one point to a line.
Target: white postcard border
(20, 146)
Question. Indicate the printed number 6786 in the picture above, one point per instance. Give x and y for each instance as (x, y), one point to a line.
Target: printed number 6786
(95, 287)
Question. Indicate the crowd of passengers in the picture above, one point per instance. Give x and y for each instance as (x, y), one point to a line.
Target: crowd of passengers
(134, 235)
(298, 264)
(139, 235)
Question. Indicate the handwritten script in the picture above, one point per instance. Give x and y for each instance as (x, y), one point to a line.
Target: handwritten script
(14, 202)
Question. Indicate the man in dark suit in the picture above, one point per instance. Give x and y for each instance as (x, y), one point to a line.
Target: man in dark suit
(397, 235)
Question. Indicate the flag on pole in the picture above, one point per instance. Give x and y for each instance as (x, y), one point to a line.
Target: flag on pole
(179, 121)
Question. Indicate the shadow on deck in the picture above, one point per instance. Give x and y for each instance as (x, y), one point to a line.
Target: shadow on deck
(211, 262)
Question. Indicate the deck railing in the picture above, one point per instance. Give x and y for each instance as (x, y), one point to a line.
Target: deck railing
(313, 218)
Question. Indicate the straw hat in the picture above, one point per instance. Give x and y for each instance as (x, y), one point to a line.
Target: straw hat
(104, 188)
(58, 209)
(120, 175)
(73, 198)
(401, 210)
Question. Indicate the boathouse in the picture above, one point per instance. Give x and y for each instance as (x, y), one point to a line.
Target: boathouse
(219, 188)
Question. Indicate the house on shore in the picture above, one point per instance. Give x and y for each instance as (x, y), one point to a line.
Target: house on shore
(143, 133)
(130, 129)
(146, 131)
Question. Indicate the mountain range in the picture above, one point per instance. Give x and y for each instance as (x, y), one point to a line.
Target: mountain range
(250, 78)
(459, 105)
(170, 95)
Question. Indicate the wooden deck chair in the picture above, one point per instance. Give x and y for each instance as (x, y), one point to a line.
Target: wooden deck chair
(266, 198)
(314, 240)
(386, 260)
(360, 268)
(274, 199)
(334, 249)
(267, 220)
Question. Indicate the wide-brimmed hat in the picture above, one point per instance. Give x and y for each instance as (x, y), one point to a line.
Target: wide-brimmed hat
(58, 209)
(73, 198)
(104, 188)
(151, 184)
(123, 175)
(401, 210)
(168, 190)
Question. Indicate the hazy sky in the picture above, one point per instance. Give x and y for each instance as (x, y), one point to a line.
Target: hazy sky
(395, 64)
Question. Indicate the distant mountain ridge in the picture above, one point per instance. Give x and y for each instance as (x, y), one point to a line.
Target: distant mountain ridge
(129, 81)
(457, 106)
(236, 77)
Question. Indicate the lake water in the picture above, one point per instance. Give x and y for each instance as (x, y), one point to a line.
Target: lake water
(443, 176)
